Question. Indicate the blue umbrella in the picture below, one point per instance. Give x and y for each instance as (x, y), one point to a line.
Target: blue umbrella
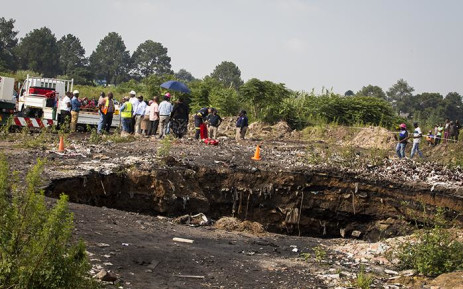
(176, 86)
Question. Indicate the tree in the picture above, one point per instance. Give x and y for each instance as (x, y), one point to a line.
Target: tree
(8, 42)
(349, 93)
(373, 91)
(38, 51)
(401, 95)
(110, 60)
(71, 54)
(228, 74)
(184, 75)
(453, 107)
(150, 58)
(263, 98)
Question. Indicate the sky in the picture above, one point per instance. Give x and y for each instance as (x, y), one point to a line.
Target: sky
(306, 44)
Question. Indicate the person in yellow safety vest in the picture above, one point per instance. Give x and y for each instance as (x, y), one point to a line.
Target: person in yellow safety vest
(126, 115)
(107, 110)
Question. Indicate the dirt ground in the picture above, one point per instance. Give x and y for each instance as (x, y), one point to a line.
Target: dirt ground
(139, 250)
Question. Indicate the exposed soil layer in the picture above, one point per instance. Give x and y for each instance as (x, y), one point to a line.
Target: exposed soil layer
(332, 204)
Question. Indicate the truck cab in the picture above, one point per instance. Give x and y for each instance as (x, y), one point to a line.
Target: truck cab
(7, 99)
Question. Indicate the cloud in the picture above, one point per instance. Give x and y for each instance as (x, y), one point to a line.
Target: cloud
(297, 6)
(295, 45)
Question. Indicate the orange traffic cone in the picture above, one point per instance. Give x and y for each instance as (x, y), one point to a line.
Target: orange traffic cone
(61, 144)
(256, 156)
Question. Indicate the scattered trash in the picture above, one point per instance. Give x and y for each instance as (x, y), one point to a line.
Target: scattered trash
(125, 244)
(102, 245)
(191, 276)
(182, 240)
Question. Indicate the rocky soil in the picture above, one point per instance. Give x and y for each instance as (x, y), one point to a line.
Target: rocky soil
(349, 211)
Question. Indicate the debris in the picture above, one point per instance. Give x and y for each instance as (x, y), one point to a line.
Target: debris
(391, 272)
(181, 240)
(195, 220)
(356, 233)
(191, 276)
(102, 245)
(106, 276)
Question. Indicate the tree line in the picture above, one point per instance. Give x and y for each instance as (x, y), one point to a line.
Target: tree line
(149, 65)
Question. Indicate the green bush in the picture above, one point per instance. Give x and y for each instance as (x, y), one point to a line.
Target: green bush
(435, 251)
(363, 280)
(36, 250)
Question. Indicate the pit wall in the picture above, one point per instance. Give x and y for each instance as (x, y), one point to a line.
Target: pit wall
(332, 204)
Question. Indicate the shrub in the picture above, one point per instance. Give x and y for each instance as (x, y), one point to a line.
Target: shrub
(36, 250)
(434, 252)
(363, 280)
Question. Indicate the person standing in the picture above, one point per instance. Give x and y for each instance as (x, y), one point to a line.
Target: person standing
(403, 140)
(457, 130)
(108, 112)
(446, 130)
(440, 133)
(139, 112)
(452, 130)
(145, 123)
(214, 120)
(179, 118)
(101, 103)
(75, 108)
(154, 116)
(65, 110)
(126, 115)
(165, 109)
(200, 116)
(241, 126)
(416, 141)
(134, 101)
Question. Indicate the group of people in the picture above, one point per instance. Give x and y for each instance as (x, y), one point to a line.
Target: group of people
(69, 108)
(449, 131)
(142, 117)
(446, 132)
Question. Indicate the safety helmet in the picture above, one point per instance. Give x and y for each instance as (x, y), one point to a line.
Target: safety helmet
(75, 92)
(403, 125)
(132, 92)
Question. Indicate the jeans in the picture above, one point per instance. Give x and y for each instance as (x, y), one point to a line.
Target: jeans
(126, 124)
(100, 122)
(400, 149)
(415, 149)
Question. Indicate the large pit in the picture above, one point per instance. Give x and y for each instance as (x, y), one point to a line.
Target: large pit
(317, 204)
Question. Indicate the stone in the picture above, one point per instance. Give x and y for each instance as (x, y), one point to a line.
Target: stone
(356, 233)
(106, 276)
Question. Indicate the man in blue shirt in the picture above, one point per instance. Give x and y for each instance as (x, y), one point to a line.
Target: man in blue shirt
(165, 109)
(75, 108)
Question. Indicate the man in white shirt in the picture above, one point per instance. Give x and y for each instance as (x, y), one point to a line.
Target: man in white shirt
(65, 109)
(165, 108)
(139, 112)
(416, 140)
(134, 101)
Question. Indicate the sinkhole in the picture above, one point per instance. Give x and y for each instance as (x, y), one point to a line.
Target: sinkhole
(316, 204)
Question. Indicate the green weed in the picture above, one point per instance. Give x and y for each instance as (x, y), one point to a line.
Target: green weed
(36, 246)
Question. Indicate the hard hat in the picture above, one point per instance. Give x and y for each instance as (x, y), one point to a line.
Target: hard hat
(133, 92)
(75, 92)
(403, 125)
